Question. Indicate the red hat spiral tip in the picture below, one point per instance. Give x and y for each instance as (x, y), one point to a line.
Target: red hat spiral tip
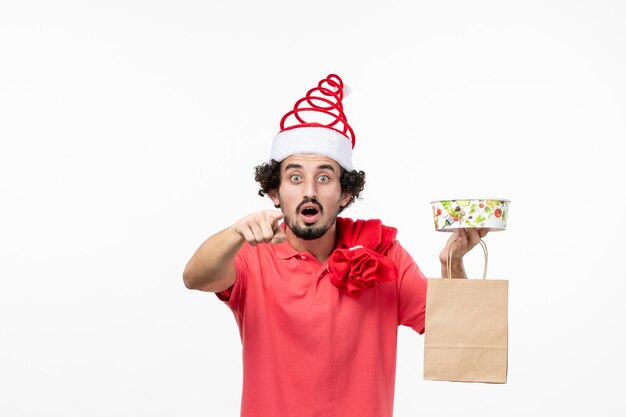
(318, 125)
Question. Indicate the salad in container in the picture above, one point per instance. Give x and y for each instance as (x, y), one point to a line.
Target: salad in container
(491, 213)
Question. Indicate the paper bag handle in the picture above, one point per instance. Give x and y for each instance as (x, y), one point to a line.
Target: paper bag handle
(449, 263)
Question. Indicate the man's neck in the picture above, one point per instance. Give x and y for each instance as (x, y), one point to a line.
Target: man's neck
(320, 248)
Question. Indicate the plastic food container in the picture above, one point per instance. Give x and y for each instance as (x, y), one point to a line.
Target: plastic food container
(470, 213)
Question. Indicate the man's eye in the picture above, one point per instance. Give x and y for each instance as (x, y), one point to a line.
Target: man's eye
(324, 178)
(296, 178)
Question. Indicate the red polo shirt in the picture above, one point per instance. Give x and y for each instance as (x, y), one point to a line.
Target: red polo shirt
(311, 350)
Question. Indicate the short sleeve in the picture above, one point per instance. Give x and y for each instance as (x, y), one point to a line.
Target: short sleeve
(412, 285)
(234, 296)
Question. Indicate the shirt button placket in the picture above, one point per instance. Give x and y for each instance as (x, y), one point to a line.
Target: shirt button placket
(321, 287)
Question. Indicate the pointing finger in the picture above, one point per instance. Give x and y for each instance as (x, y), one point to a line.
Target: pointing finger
(274, 217)
(279, 234)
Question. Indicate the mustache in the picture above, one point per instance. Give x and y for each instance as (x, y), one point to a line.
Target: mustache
(310, 201)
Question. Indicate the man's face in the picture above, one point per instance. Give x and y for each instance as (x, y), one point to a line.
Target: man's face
(309, 194)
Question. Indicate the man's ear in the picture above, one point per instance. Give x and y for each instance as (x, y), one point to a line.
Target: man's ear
(345, 199)
(273, 193)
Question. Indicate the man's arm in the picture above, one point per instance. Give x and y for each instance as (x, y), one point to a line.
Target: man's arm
(461, 242)
(212, 267)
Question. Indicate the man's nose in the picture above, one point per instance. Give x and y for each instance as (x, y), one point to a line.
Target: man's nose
(310, 189)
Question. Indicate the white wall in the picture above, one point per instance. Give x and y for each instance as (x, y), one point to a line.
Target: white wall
(129, 130)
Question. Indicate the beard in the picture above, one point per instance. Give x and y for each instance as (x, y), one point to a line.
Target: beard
(309, 231)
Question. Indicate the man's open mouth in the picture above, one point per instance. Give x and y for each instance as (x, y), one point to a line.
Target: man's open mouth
(309, 211)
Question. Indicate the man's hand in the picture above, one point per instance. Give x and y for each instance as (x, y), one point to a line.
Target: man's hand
(261, 227)
(212, 267)
(461, 242)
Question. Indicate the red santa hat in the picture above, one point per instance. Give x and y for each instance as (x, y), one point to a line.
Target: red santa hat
(317, 125)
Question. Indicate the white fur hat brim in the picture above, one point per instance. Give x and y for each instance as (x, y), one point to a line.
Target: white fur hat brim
(313, 140)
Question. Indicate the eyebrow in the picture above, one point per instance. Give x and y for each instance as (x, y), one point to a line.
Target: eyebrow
(326, 166)
(298, 166)
(289, 166)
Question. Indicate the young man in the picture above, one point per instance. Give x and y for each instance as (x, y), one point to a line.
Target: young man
(318, 298)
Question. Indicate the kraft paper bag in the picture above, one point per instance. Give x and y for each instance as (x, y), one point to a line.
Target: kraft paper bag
(466, 337)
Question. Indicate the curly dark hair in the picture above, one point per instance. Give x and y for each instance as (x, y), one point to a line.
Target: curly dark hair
(268, 176)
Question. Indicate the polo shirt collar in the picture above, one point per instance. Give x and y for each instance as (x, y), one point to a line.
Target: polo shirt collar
(284, 250)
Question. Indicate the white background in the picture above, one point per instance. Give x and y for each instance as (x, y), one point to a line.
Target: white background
(129, 130)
